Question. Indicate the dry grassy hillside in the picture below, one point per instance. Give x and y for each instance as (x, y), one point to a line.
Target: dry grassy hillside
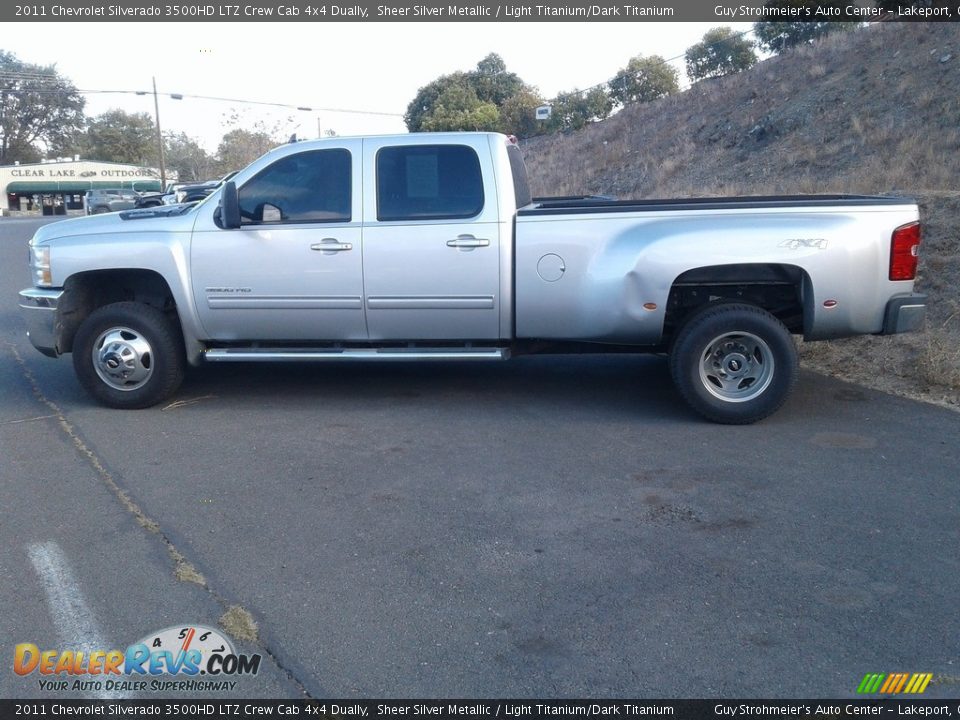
(875, 111)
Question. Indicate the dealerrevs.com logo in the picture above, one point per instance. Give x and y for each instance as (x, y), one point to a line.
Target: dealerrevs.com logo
(181, 658)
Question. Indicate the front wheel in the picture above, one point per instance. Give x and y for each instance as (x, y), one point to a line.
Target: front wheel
(129, 355)
(734, 363)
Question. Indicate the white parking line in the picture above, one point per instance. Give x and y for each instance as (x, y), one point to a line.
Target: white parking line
(75, 622)
(26, 420)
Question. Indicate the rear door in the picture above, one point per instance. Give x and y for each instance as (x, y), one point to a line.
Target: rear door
(431, 239)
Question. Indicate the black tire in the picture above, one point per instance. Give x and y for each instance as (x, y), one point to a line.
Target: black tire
(734, 363)
(133, 337)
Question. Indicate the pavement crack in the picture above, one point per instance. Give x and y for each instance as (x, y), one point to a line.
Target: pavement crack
(236, 620)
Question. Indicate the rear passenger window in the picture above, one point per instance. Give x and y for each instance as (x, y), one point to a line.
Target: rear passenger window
(428, 182)
(309, 187)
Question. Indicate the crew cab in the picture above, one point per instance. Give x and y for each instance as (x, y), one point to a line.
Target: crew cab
(429, 247)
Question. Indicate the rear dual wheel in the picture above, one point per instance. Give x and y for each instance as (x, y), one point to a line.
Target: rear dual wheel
(734, 363)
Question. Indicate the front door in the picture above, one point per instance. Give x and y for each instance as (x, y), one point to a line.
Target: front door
(293, 270)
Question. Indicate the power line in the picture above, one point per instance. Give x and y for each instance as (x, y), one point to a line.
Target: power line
(293, 107)
(31, 73)
(180, 96)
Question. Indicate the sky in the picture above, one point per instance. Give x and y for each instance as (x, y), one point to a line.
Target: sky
(368, 67)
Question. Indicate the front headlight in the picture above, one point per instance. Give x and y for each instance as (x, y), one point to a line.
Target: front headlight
(40, 265)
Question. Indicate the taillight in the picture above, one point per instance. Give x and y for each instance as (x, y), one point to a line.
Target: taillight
(904, 252)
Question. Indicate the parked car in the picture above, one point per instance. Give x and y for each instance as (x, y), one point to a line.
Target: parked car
(430, 247)
(169, 196)
(199, 191)
(97, 202)
(196, 191)
(149, 199)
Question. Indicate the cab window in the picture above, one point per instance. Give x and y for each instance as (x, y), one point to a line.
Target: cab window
(309, 187)
(428, 182)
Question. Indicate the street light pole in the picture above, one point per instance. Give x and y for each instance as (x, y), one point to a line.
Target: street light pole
(156, 110)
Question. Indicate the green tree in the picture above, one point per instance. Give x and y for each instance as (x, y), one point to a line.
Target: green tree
(426, 98)
(184, 154)
(459, 108)
(38, 107)
(777, 36)
(249, 138)
(575, 109)
(644, 79)
(721, 52)
(518, 114)
(482, 99)
(239, 147)
(492, 81)
(118, 136)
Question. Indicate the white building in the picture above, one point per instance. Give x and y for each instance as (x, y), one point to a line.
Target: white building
(24, 187)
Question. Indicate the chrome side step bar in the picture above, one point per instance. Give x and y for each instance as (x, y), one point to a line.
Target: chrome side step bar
(370, 354)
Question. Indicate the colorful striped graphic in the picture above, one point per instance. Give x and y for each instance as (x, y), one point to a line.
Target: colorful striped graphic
(894, 683)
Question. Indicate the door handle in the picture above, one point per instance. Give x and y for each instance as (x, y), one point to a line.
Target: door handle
(467, 241)
(331, 245)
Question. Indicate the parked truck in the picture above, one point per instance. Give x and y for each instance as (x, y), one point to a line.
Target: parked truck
(430, 247)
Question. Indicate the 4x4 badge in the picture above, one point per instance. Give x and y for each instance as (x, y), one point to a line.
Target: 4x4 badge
(797, 243)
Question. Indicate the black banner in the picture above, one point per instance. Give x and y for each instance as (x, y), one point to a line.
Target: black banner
(377, 709)
(482, 11)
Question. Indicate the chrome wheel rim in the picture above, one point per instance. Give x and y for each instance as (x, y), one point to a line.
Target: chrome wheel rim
(736, 367)
(123, 358)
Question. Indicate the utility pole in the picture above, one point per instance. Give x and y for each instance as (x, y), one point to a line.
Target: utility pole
(156, 110)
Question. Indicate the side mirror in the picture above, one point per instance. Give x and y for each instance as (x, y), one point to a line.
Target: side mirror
(229, 206)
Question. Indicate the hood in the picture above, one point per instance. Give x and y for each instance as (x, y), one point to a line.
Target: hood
(170, 218)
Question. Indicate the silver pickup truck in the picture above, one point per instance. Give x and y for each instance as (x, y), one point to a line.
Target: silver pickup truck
(430, 247)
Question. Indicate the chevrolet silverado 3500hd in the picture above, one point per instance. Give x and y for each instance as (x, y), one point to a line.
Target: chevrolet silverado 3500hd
(430, 247)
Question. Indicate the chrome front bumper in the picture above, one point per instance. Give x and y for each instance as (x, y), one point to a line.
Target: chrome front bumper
(38, 308)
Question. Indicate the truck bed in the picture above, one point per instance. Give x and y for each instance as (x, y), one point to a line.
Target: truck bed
(579, 205)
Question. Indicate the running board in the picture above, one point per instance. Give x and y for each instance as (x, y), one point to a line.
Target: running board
(372, 354)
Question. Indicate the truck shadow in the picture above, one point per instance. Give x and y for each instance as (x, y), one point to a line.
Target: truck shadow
(618, 384)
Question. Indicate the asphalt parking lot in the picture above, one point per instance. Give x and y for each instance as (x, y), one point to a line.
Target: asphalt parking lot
(547, 527)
